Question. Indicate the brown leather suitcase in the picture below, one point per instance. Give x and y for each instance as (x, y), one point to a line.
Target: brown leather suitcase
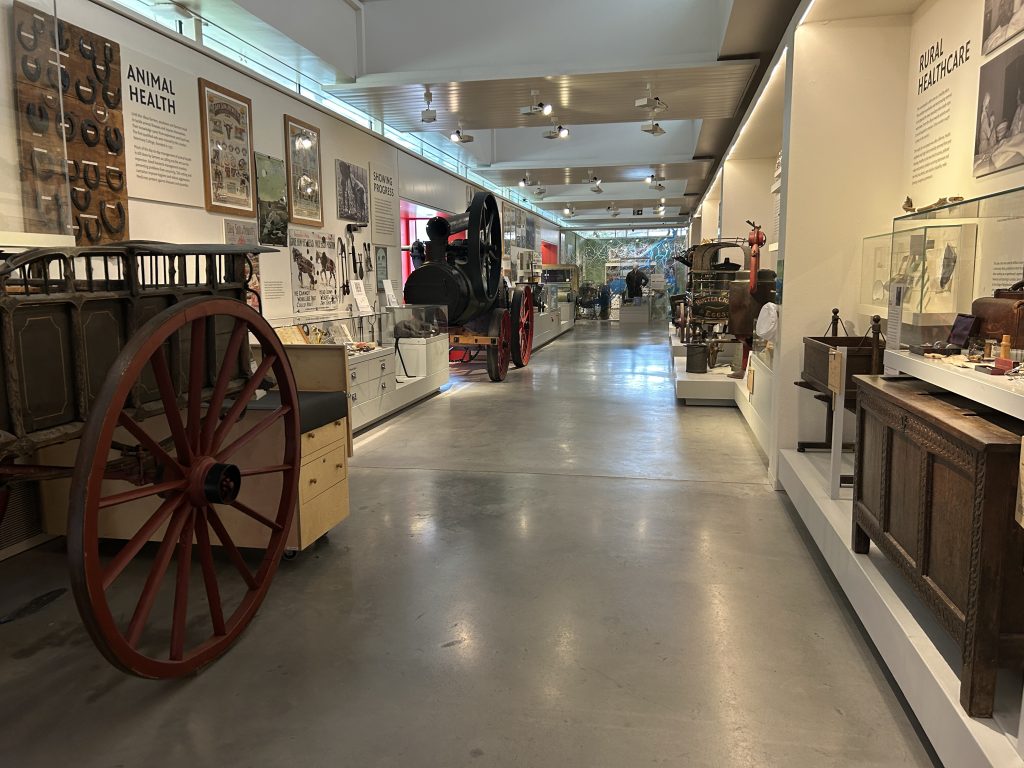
(1002, 314)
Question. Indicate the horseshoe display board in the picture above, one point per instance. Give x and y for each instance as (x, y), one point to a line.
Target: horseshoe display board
(56, 61)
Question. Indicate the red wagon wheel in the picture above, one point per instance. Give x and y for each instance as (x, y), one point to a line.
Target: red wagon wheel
(522, 326)
(498, 356)
(178, 390)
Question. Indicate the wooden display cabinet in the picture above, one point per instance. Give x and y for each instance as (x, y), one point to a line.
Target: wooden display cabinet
(935, 489)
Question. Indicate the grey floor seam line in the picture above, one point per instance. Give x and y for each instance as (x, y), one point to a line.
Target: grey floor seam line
(560, 474)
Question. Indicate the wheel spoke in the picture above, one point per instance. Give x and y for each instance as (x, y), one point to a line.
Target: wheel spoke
(255, 515)
(253, 433)
(196, 370)
(179, 620)
(241, 401)
(220, 387)
(140, 434)
(265, 470)
(140, 493)
(135, 544)
(209, 573)
(170, 400)
(229, 546)
(156, 575)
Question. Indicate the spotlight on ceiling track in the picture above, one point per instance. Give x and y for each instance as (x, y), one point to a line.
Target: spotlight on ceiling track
(526, 181)
(569, 211)
(557, 132)
(591, 178)
(653, 128)
(536, 107)
(659, 187)
(613, 210)
(540, 191)
(650, 102)
(428, 115)
(653, 178)
(461, 137)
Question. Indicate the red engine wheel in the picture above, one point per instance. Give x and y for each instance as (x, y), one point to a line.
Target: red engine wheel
(522, 326)
(498, 357)
(187, 371)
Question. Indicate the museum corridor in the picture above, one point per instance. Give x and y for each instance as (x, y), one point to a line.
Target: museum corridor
(567, 568)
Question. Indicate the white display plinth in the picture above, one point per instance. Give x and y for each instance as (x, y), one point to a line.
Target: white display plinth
(1006, 395)
(714, 388)
(421, 357)
(635, 315)
(921, 657)
(548, 326)
(756, 407)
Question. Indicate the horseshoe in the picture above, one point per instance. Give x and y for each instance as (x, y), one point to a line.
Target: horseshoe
(32, 73)
(81, 198)
(38, 118)
(119, 207)
(89, 88)
(94, 182)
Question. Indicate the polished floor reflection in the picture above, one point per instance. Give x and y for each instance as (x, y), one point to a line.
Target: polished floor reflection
(565, 569)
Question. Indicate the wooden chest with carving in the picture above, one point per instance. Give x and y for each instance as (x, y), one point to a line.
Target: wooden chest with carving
(935, 489)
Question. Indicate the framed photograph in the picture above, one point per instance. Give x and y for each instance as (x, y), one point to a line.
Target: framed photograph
(1004, 20)
(999, 141)
(380, 253)
(272, 200)
(353, 192)
(228, 166)
(302, 156)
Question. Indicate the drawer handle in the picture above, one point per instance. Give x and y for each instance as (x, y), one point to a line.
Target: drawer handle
(311, 435)
(312, 481)
(353, 375)
(383, 366)
(355, 397)
(339, 466)
(383, 385)
(337, 423)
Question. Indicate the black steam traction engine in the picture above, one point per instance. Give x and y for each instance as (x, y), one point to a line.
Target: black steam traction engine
(465, 275)
(141, 354)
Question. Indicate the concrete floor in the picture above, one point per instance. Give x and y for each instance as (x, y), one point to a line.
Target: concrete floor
(566, 569)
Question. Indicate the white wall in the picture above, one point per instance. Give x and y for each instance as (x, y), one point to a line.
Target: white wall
(746, 196)
(844, 179)
(420, 182)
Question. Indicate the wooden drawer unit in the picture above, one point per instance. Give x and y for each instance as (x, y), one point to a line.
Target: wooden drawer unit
(362, 371)
(935, 489)
(314, 441)
(318, 474)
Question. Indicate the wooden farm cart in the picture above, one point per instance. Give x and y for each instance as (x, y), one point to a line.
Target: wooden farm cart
(465, 275)
(141, 354)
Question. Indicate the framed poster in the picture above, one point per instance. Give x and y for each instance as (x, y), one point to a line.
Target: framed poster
(272, 200)
(999, 142)
(226, 122)
(1004, 20)
(353, 197)
(302, 155)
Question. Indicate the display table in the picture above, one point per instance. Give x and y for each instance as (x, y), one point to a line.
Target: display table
(1006, 395)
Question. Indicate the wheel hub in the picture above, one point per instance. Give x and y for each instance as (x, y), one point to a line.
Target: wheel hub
(213, 483)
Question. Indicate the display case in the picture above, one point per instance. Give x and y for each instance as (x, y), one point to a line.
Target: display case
(876, 266)
(420, 340)
(546, 296)
(936, 264)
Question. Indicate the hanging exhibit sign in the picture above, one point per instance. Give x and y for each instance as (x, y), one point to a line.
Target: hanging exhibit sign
(314, 260)
(161, 120)
(302, 153)
(353, 199)
(384, 203)
(271, 200)
(226, 122)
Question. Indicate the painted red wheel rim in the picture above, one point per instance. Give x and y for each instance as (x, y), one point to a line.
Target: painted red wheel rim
(195, 392)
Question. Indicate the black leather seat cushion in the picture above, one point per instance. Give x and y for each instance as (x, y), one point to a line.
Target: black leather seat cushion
(316, 409)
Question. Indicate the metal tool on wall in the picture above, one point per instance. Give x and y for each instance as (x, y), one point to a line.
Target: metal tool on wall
(346, 289)
(351, 229)
(367, 259)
